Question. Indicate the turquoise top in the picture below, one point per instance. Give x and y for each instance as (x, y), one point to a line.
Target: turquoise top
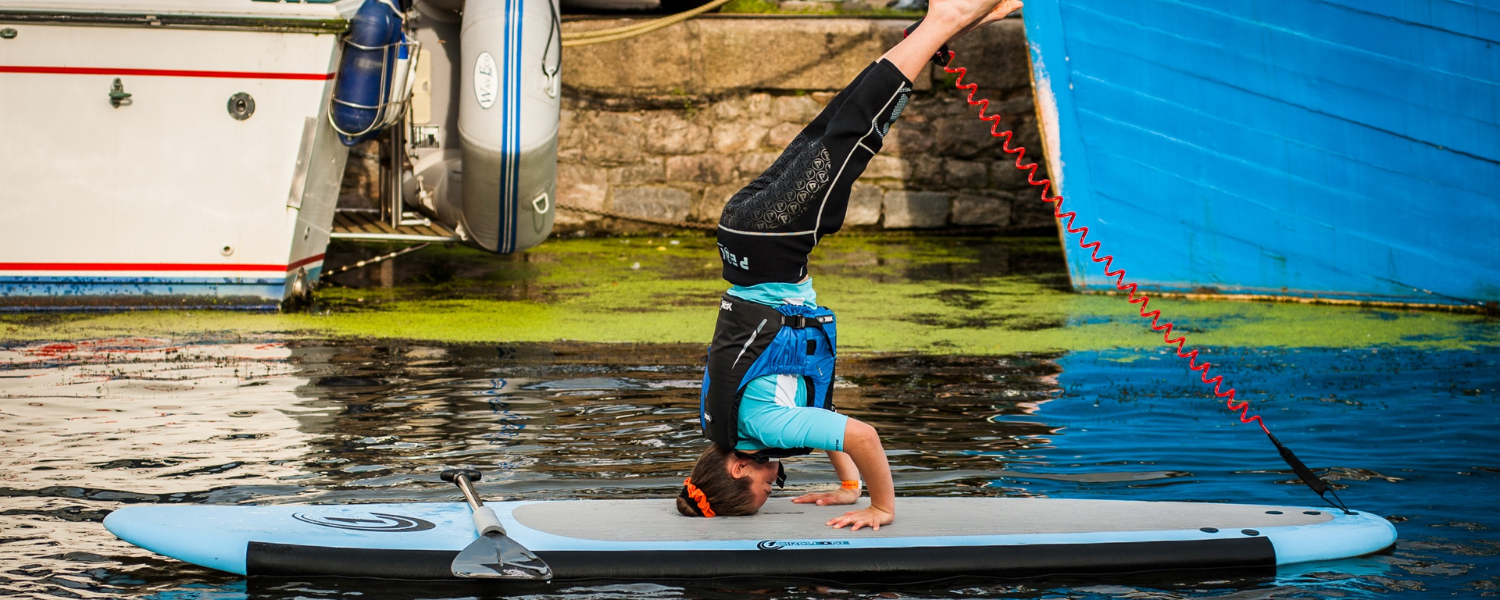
(774, 414)
(774, 411)
(777, 294)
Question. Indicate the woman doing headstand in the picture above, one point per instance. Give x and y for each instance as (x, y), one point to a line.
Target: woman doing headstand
(768, 387)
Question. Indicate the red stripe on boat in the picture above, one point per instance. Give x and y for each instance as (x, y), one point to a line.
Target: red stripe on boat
(164, 73)
(306, 261)
(153, 266)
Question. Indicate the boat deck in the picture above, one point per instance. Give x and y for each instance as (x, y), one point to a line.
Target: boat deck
(367, 226)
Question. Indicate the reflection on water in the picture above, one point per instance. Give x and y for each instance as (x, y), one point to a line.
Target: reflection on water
(87, 427)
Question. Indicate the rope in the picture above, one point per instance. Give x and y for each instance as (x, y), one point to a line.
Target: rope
(585, 38)
(1243, 407)
(382, 258)
(625, 217)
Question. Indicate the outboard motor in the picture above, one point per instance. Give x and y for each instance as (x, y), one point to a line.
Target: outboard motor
(374, 76)
(508, 121)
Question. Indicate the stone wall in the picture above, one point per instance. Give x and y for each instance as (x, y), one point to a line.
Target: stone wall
(669, 125)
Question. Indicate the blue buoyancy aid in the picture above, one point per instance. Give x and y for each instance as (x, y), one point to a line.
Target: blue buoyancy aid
(753, 340)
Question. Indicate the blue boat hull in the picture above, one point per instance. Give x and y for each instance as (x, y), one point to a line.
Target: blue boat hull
(1328, 149)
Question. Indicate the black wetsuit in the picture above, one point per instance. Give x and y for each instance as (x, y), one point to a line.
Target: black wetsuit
(765, 234)
(768, 228)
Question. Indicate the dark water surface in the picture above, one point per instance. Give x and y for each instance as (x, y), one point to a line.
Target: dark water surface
(91, 426)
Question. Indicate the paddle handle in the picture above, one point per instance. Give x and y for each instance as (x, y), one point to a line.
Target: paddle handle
(463, 478)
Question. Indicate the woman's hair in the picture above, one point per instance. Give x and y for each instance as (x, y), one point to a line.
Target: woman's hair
(723, 493)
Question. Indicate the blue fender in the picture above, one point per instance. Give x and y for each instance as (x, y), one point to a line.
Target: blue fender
(365, 75)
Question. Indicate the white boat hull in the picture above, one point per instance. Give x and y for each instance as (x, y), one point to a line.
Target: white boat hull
(167, 199)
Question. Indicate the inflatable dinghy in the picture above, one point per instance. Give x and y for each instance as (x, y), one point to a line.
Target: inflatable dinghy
(647, 540)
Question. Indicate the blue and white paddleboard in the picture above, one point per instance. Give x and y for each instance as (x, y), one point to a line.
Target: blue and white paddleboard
(647, 539)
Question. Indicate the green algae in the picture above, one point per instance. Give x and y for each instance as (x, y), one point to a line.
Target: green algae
(893, 294)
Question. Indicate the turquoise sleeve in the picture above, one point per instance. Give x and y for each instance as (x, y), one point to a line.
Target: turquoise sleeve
(766, 424)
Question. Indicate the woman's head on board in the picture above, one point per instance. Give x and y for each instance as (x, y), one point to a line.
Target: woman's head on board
(728, 483)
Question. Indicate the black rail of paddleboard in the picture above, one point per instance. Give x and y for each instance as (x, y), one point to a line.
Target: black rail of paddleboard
(1250, 554)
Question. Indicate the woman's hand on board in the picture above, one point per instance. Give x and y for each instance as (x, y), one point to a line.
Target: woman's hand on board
(841, 496)
(866, 517)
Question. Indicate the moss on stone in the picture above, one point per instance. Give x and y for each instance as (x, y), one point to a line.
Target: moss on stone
(893, 294)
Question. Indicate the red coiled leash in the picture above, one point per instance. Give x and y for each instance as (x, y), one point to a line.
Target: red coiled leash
(943, 59)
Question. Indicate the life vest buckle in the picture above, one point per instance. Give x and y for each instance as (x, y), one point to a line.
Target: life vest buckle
(799, 321)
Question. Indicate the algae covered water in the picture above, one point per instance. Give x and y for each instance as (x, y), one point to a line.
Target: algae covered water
(87, 426)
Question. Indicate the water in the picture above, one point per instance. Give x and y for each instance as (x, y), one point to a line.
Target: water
(87, 427)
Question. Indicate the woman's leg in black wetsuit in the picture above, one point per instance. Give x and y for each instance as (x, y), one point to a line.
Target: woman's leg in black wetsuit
(770, 226)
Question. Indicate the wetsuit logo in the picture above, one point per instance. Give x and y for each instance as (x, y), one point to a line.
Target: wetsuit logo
(378, 522)
(778, 544)
(742, 262)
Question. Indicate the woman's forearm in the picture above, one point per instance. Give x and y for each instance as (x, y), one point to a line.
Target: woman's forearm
(863, 445)
(913, 52)
(843, 465)
(945, 21)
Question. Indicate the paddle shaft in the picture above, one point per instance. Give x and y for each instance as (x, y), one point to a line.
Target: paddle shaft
(485, 520)
(468, 490)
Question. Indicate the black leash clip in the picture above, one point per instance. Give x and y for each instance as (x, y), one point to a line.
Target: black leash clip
(942, 56)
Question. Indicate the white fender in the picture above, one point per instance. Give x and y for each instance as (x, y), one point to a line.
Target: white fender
(511, 51)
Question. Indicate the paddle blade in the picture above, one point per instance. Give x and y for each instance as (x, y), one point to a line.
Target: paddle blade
(495, 556)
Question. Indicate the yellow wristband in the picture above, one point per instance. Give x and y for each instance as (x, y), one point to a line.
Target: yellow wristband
(851, 485)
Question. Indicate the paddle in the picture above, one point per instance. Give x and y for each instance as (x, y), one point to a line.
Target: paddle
(494, 555)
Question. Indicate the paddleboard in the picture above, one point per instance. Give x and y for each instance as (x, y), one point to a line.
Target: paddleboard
(648, 540)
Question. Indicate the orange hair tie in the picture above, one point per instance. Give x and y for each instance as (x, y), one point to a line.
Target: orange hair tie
(698, 495)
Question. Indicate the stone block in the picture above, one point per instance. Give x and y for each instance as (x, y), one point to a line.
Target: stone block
(926, 171)
(1006, 176)
(652, 170)
(668, 132)
(701, 168)
(734, 137)
(886, 167)
(808, 6)
(732, 108)
(864, 204)
(612, 138)
(711, 202)
(907, 137)
(758, 109)
(915, 210)
(654, 202)
(970, 209)
(658, 63)
(800, 110)
(706, 57)
(966, 175)
(782, 135)
(1029, 211)
(753, 164)
(582, 185)
(963, 136)
(791, 54)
